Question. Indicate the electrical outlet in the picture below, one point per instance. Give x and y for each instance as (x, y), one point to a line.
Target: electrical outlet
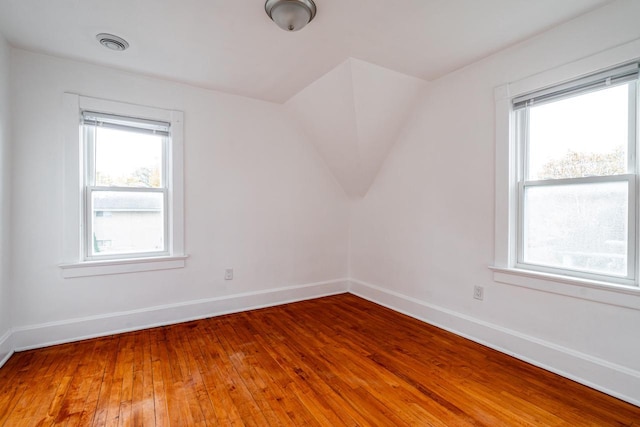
(478, 292)
(228, 274)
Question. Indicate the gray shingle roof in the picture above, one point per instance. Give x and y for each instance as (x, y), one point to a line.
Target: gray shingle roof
(125, 201)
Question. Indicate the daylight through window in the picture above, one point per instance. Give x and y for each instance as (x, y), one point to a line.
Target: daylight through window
(126, 189)
(577, 177)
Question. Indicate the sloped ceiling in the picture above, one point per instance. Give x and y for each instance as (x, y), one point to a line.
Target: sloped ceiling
(352, 111)
(233, 46)
(353, 115)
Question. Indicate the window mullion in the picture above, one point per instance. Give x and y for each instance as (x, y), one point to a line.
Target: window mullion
(580, 180)
(128, 189)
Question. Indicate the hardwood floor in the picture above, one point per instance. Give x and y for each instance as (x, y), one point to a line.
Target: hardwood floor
(332, 361)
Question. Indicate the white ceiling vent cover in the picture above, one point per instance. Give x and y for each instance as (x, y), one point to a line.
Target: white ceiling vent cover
(112, 42)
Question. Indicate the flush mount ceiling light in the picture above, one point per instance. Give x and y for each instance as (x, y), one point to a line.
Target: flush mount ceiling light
(112, 42)
(290, 15)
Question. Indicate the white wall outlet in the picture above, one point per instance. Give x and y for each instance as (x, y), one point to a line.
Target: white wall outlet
(228, 274)
(478, 292)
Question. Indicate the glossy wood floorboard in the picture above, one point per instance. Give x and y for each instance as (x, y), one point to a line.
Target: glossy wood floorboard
(332, 361)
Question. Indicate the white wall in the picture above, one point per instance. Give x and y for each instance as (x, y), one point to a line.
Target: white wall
(5, 290)
(424, 234)
(353, 114)
(258, 199)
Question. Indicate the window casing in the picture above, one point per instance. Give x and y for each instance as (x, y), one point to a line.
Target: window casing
(82, 254)
(575, 178)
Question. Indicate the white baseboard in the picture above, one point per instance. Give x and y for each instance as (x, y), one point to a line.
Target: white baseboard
(6, 347)
(43, 335)
(610, 378)
(616, 380)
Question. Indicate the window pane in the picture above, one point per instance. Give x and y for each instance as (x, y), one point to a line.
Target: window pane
(127, 222)
(578, 227)
(585, 135)
(128, 159)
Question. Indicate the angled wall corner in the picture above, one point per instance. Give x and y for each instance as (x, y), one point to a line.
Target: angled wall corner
(353, 115)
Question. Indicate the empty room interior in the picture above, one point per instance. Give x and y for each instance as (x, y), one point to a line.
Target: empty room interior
(327, 212)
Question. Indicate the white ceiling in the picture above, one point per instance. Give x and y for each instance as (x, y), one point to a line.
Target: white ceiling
(365, 105)
(232, 46)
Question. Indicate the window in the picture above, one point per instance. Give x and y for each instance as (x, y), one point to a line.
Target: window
(125, 178)
(576, 177)
(124, 208)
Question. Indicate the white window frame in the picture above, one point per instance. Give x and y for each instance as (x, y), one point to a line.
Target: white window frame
(90, 187)
(506, 268)
(76, 261)
(521, 117)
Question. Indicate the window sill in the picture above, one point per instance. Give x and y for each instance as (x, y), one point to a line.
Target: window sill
(591, 290)
(134, 265)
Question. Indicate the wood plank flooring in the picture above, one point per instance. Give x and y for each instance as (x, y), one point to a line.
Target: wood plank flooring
(331, 361)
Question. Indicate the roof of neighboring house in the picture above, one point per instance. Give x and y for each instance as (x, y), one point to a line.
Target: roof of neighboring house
(125, 201)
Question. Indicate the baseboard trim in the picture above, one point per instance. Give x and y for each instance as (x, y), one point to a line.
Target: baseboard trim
(6, 347)
(47, 334)
(615, 380)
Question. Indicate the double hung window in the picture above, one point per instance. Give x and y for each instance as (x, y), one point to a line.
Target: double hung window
(576, 147)
(126, 188)
(123, 198)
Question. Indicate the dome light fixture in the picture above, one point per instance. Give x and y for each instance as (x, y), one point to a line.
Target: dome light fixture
(291, 15)
(112, 42)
